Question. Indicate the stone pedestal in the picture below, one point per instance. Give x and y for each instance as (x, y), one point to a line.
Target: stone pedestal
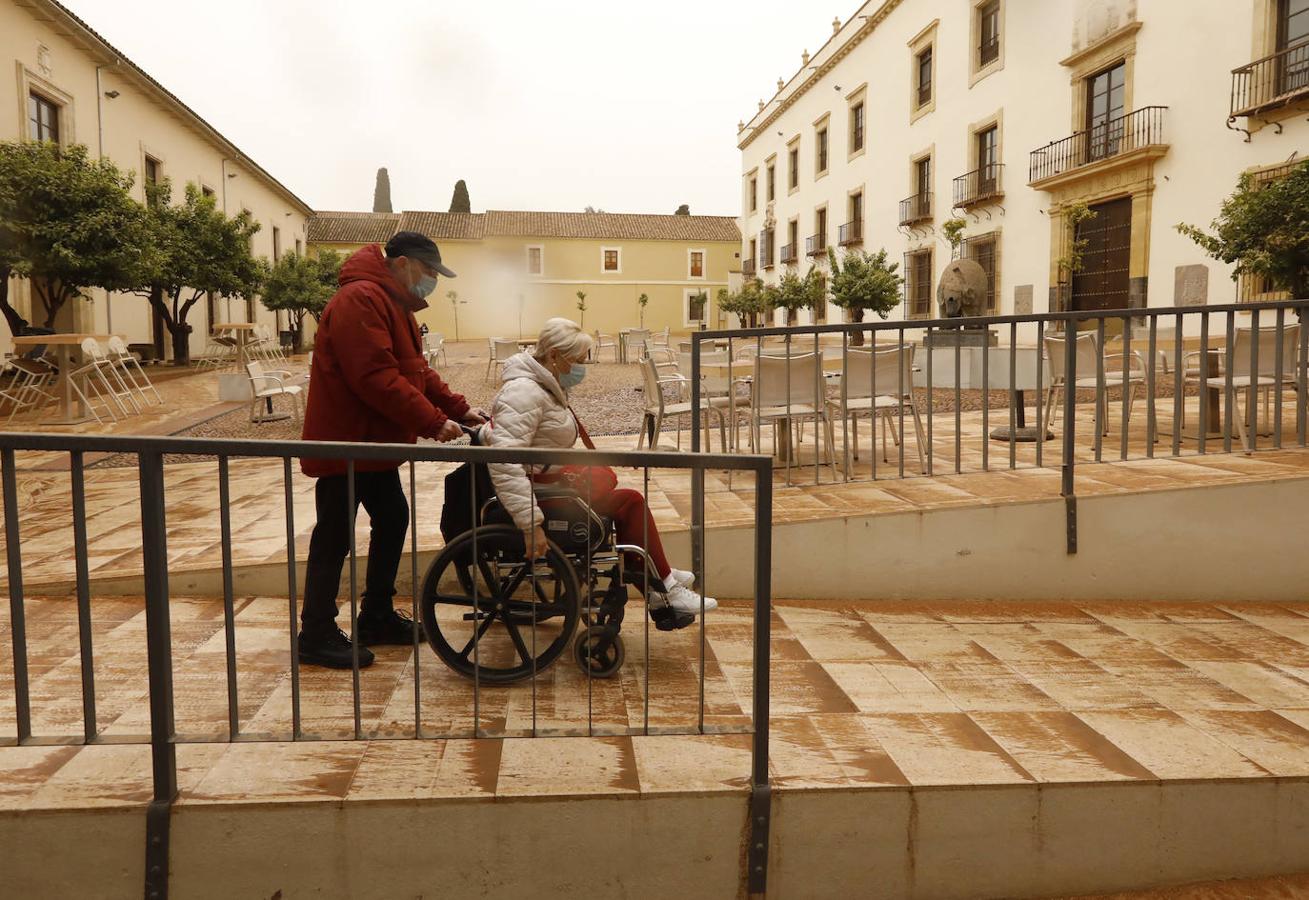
(961, 337)
(234, 387)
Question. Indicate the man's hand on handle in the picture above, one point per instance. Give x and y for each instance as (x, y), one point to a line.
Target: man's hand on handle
(450, 431)
(476, 416)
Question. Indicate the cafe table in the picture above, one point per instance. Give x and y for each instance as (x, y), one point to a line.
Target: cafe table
(71, 410)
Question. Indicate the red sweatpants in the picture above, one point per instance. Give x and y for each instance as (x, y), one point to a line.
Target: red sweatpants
(635, 525)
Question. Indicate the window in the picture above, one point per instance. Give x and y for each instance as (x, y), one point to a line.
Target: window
(610, 259)
(857, 127)
(535, 262)
(42, 118)
(1106, 99)
(820, 309)
(695, 306)
(923, 178)
(988, 161)
(1292, 23)
(207, 191)
(766, 248)
(754, 194)
(984, 250)
(749, 263)
(857, 207)
(771, 182)
(277, 243)
(818, 243)
(988, 30)
(925, 77)
(793, 168)
(821, 154)
(918, 283)
(852, 232)
(151, 170)
(299, 248)
(697, 264)
(792, 241)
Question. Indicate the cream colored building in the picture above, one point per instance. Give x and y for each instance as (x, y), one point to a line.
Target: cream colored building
(82, 90)
(517, 269)
(1003, 112)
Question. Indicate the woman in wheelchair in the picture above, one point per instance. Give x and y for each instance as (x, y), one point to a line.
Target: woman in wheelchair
(532, 410)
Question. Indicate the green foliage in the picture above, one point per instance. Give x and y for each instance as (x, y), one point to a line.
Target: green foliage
(697, 304)
(683, 210)
(747, 304)
(581, 307)
(862, 280)
(1071, 262)
(197, 251)
(302, 285)
(68, 223)
(459, 201)
(795, 292)
(642, 301)
(1263, 229)
(953, 230)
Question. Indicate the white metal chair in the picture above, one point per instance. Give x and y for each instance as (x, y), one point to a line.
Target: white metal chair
(26, 388)
(879, 384)
(636, 337)
(661, 339)
(1087, 348)
(434, 348)
(657, 407)
(130, 369)
(1245, 381)
(109, 376)
(786, 392)
(500, 351)
(716, 388)
(603, 342)
(220, 351)
(265, 385)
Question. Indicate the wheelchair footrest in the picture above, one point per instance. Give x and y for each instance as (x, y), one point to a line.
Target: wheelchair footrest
(668, 619)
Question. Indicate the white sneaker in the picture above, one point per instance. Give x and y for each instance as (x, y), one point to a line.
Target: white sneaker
(685, 600)
(683, 577)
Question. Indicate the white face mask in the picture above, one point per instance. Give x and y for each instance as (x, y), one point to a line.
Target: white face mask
(424, 287)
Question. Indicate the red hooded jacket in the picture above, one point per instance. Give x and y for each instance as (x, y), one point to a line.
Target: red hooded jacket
(370, 381)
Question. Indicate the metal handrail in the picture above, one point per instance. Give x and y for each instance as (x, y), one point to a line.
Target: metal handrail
(151, 452)
(850, 233)
(1142, 128)
(916, 208)
(815, 244)
(789, 254)
(1276, 79)
(983, 183)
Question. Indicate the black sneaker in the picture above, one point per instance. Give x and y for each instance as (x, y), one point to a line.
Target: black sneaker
(388, 628)
(332, 650)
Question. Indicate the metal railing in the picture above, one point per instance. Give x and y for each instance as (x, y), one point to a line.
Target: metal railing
(1133, 131)
(815, 244)
(1166, 354)
(850, 233)
(1270, 82)
(790, 253)
(748, 267)
(518, 616)
(917, 208)
(988, 52)
(979, 185)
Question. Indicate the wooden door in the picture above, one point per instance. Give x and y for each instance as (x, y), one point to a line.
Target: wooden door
(1104, 278)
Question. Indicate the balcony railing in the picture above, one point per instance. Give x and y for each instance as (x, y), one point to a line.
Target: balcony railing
(915, 209)
(748, 268)
(1271, 82)
(790, 253)
(850, 233)
(1142, 128)
(988, 52)
(924, 94)
(815, 244)
(980, 185)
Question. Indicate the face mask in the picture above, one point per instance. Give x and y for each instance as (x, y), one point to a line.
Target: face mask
(424, 287)
(573, 377)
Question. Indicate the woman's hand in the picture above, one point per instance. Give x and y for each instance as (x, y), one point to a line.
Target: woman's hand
(535, 542)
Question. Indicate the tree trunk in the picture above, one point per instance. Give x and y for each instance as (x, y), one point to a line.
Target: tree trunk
(17, 324)
(181, 333)
(856, 314)
(297, 335)
(158, 321)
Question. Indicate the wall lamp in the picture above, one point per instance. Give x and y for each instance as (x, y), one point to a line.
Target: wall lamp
(112, 95)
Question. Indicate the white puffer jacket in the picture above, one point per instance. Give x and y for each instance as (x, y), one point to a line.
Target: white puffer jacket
(531, 410)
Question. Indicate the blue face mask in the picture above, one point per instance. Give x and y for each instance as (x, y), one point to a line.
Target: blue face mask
(424, 287)
(573, 377)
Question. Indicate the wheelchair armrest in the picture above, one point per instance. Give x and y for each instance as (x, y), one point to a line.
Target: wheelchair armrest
(554, 492)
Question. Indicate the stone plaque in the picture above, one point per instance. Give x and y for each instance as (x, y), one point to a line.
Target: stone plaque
(1191, 285)
(1023, 300)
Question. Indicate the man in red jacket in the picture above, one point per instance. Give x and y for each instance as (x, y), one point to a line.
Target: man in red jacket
(371, 383)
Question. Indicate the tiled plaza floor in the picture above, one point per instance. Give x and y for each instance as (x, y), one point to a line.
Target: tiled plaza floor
(864, 696)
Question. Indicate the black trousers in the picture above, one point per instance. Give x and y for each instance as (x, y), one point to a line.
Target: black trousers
(388, 518)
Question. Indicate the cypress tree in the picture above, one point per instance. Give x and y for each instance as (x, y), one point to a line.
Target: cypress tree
(382, 192)
(460, 203)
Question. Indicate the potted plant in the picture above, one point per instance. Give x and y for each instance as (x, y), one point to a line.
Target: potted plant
(581, 308)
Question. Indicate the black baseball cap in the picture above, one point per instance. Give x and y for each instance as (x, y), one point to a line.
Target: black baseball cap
(417, 246)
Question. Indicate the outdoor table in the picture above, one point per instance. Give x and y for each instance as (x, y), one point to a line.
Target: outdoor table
(72, 410)
(243, 332)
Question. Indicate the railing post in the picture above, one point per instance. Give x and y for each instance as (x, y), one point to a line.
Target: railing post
(159, 667)
(697, 473)
(760, 791)
(1070, 433)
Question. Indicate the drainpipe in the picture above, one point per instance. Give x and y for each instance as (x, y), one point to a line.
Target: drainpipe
(100, 152)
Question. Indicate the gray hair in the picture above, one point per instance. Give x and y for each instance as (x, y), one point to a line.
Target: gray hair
(565, 337)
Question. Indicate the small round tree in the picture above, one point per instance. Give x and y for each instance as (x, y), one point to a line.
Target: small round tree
(862, 280)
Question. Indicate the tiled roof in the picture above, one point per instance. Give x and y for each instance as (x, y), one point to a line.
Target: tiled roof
(352, 227)
(445, 226)
(611, 226)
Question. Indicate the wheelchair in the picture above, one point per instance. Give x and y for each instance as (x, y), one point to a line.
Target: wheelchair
(492, 614)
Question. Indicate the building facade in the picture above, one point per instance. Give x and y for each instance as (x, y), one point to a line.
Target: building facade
(517, 269)
(1008, 114)
(61, 81)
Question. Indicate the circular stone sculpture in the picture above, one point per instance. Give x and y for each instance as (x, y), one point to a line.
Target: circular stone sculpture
(962, 289)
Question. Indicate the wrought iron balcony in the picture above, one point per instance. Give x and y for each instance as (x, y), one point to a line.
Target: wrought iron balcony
(815, 245)
(1271, 82)
(988, 52)
(917, 208)
(790, 253)
(748, 268)
(979, 186)
(1135, 131)
(850, 233)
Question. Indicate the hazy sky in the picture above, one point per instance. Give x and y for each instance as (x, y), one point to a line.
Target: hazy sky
(631, 107)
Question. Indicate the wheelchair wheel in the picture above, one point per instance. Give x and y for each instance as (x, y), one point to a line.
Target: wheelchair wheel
(599, 651)
(492, 613)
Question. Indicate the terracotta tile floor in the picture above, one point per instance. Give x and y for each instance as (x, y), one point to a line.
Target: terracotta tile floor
(863, 696)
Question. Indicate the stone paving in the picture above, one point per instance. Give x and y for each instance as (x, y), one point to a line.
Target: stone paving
(864, 695)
